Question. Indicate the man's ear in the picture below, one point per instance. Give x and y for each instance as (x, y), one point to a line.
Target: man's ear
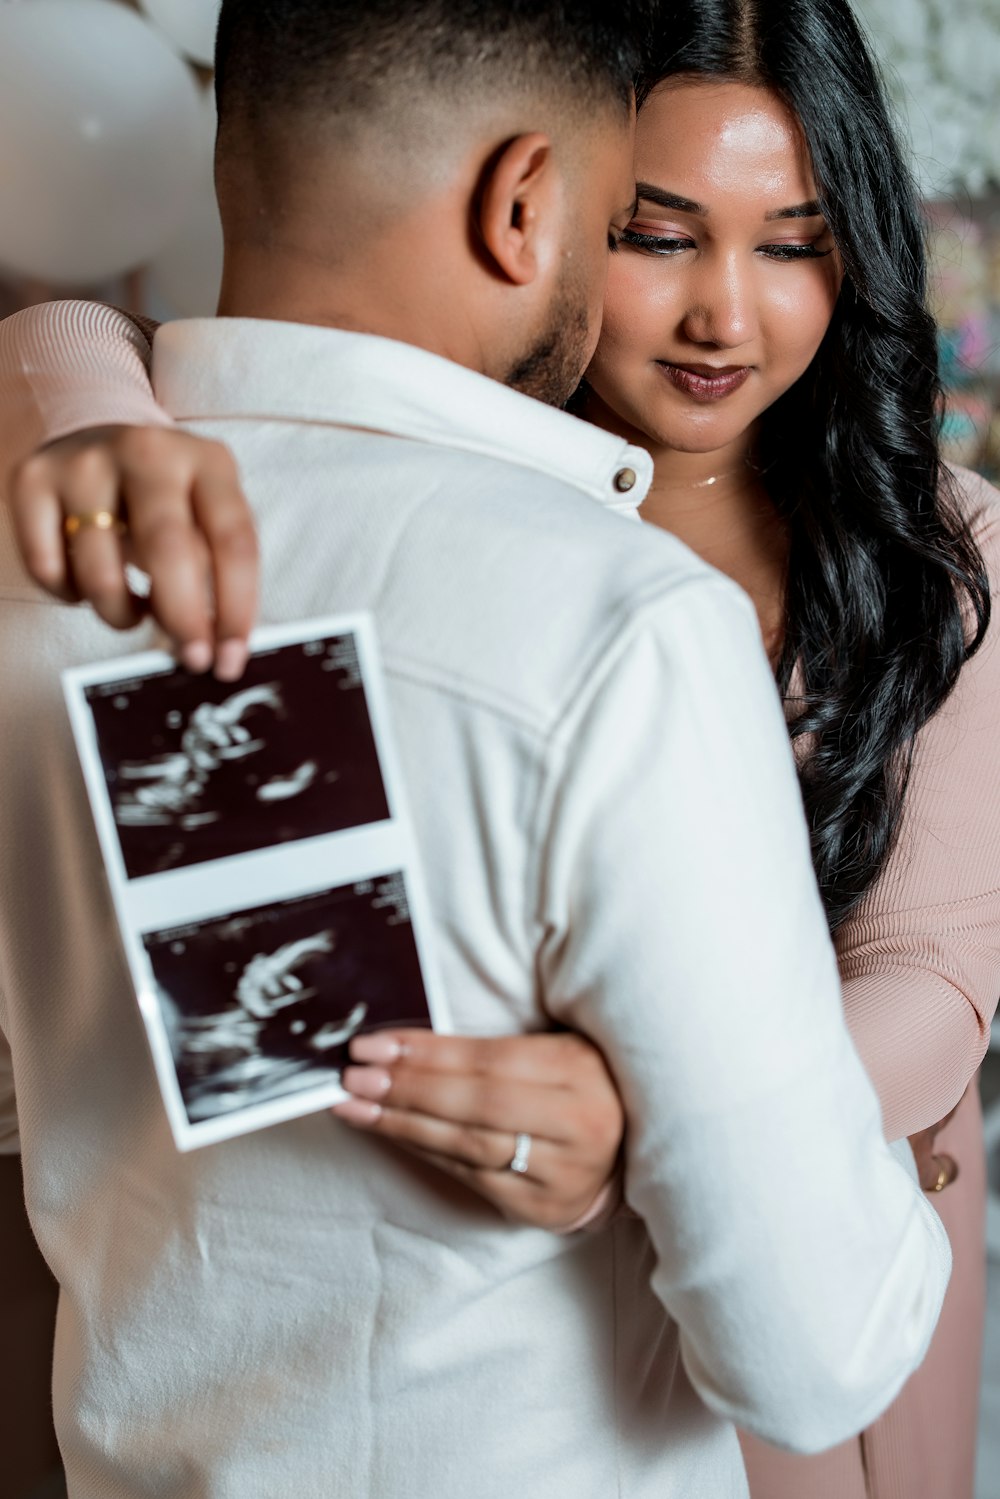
(516, 208)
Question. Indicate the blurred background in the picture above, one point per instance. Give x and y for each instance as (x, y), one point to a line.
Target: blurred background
(107, 125)
(107, 120)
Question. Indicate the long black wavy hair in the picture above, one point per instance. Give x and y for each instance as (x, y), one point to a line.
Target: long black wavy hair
(887, 594)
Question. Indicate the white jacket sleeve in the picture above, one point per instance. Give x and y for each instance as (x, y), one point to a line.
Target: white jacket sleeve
(686, 935)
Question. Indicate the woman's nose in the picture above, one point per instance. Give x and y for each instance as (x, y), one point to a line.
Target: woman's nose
(721, 312)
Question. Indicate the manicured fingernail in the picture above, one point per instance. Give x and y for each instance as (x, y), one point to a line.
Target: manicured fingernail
(230, 660)
(371, 1048)
(197, 656)
(366, 1082)
(356, 1111)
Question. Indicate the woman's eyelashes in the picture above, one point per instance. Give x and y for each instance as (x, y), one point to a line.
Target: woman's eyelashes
(659, 244)
(794, 252)
(671, 244)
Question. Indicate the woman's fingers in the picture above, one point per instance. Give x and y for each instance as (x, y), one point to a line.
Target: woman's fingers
(89, 485)
(554, 1084)
(555, 1059)
(936, 1171)
(193, 533)
(496, 1103)
(227, 523)
(74, 480)
(168, 547)
(462, 1102)
(553, 1193)
(189, 528)
(37, 513)
(470, 1144)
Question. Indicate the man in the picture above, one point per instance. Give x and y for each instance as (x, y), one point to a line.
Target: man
(417, 196)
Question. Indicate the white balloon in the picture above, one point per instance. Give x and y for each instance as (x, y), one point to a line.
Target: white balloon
(101, 127)
(190, 25)
(187, 273)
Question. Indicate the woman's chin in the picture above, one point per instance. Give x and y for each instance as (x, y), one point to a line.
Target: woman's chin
(671, 423)
(694, 437)
(687, 427)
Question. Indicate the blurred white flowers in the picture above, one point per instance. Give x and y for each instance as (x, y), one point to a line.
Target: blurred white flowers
(941, 59)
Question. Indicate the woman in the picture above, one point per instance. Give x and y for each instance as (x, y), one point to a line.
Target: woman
(766, 338)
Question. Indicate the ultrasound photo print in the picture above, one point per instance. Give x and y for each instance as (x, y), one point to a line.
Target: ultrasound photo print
(261, 1004)
(198, 769)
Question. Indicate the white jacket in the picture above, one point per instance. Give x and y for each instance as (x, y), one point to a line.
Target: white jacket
(608, 813)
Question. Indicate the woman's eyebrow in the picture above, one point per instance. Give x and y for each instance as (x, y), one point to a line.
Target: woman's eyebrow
(648, 193)
(810, 210)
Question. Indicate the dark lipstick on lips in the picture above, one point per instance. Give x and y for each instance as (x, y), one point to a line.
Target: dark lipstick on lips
(704, 382)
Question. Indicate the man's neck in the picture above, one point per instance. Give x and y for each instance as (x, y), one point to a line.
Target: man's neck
(290, 288)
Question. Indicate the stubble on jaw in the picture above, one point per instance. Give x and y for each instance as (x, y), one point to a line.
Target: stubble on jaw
(552, 368)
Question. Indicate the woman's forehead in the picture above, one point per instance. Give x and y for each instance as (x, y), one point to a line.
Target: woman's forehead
(709, 139)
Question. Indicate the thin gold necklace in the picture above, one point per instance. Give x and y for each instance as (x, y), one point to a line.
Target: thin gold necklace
(707, 483)
(747, 464)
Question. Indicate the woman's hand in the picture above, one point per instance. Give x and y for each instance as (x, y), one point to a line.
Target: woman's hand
(935, 1171)
(461, 1103)
(184, 521)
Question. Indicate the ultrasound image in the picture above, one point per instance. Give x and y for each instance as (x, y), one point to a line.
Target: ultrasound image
(198, 769)
(262, 1003)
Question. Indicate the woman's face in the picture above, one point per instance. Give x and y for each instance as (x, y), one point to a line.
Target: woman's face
(720, 294)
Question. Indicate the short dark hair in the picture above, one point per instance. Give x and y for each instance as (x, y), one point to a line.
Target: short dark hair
(353, 58)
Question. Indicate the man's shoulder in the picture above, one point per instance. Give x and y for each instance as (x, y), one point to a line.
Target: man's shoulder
(537, 580)
(497, 581)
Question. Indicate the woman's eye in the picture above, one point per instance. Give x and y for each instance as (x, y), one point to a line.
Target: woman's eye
(658, 244)
(794, 252)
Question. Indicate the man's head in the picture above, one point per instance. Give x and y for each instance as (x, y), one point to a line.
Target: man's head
(446, 172)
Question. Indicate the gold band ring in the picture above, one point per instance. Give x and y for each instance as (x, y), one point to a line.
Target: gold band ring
(943, 1176)
(93, 520)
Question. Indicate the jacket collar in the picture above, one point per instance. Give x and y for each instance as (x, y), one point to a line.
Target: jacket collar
(218, 368)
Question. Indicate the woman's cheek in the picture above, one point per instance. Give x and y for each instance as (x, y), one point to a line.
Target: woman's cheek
(800, 322)
(633, 311)
(615, 349)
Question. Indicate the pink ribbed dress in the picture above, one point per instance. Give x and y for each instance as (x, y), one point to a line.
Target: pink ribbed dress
(920, 960)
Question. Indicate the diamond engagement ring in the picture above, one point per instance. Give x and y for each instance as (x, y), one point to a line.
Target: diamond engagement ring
(522, 1152)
